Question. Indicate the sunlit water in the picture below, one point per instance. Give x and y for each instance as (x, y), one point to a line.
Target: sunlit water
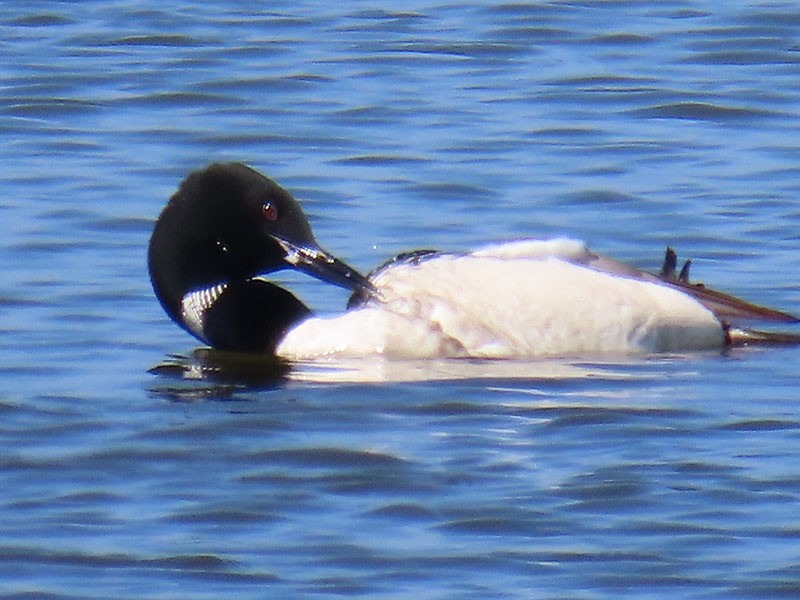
(133, 467)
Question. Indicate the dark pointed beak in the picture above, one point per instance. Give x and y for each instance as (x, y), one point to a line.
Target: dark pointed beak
(311, 259)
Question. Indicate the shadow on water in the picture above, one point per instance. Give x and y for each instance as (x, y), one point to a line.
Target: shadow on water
(212, 375)
(208, 374)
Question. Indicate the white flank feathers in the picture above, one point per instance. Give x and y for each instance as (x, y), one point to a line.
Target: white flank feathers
(516, 300)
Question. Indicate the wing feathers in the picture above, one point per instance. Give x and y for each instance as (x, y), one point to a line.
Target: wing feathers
(727, 307)
(724, 306)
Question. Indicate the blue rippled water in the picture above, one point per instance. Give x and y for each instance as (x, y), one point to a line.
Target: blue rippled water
(632, 125)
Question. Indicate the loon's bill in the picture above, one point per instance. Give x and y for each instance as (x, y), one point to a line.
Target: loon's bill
(315, 261)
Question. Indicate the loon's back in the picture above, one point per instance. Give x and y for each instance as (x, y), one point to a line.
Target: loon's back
(514, 300)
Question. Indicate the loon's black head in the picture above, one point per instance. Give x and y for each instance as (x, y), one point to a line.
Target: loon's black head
(225, 227)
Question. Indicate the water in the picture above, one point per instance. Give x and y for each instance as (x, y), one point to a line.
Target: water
(631, 125)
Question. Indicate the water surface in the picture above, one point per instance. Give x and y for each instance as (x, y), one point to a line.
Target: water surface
(631, 125)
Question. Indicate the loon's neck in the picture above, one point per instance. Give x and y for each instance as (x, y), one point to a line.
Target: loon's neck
(248, 316)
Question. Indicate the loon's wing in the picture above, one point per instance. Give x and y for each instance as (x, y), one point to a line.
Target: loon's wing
(725, 306)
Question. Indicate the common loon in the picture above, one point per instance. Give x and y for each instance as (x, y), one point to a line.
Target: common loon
(228, 226)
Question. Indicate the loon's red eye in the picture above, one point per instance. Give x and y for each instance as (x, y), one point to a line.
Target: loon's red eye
(269, 211)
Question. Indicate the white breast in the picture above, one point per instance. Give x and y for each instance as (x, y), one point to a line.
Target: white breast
(516, 300)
